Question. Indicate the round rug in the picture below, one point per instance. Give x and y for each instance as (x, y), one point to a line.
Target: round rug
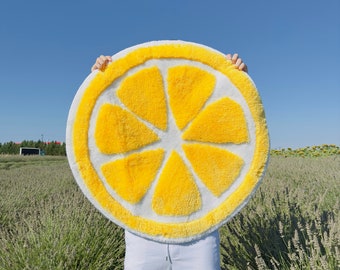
(170, 141)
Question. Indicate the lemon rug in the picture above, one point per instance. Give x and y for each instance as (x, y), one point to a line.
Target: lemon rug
(170, 141)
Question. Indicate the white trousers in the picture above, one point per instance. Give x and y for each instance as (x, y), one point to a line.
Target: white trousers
(202, 254)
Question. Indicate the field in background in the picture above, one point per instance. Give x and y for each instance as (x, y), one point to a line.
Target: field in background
(292, 222)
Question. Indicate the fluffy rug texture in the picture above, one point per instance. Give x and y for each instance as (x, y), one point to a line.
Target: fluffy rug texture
(170, 141)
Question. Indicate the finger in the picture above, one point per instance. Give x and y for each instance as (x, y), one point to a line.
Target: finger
(96, 66)
(243, 67)
(101, 60)
(228, 56)
(234, 58)
(238, 62)
(104, 60)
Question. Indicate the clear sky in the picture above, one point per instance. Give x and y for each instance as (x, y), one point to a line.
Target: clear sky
(292, 49)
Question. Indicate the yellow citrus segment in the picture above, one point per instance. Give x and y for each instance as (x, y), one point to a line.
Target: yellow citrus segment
(221, 122)
(176, 192)
(119, 131)
(131, 177)
(217, 168)
(189, 88)
(143, 94)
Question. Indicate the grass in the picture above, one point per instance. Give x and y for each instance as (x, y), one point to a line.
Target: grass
(292, 222)
(47, 223)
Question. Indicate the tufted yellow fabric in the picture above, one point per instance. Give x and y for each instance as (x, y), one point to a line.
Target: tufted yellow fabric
(189, 88)
(118, 131)
(170, 141)
(220, 167)
(168, 199)
(221, 122)
(132, 176)
(149, 101)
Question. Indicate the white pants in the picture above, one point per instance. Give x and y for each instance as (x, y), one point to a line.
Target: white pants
(202, 254)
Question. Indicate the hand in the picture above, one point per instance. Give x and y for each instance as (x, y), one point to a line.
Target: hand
(237, 62)
(101, 63)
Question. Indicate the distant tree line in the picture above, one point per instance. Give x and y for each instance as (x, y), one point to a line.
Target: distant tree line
(53, 148)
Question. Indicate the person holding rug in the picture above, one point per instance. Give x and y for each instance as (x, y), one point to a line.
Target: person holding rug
(142, 253)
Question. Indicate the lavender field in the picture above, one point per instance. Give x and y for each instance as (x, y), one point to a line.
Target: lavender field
(292, 222)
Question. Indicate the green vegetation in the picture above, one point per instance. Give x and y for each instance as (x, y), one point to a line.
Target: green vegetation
(47, 223)
(292, 222)
(309, 151)
(52, 148)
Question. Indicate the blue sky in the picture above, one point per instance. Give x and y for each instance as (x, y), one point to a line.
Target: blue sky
(292, 49)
